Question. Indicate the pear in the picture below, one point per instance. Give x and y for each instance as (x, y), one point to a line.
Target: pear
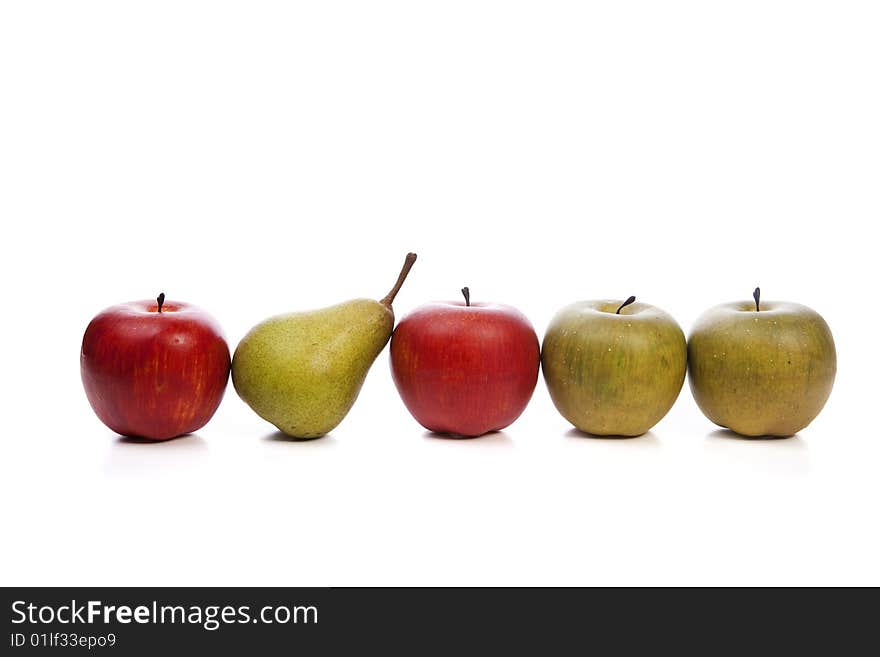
(303, 371)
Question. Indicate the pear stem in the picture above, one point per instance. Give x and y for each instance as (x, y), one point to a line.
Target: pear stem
(404, 271)
(625, 304)
(467, 295)
(757, 295)
(160, 300)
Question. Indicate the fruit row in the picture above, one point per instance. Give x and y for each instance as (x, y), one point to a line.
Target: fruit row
(158, 369)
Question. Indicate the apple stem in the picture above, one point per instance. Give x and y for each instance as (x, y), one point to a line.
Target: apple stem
(467, 295)
(160, 300)
(404, 271)
(625, 304)
(757, 295)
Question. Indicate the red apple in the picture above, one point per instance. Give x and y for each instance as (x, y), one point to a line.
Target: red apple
(154, 369)
(465, 368)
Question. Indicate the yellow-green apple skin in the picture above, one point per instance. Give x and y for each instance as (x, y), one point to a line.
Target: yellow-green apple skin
(613, 374)
(764, 372)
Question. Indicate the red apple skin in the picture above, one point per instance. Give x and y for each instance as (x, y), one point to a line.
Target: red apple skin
(154, 375)
(465, 370)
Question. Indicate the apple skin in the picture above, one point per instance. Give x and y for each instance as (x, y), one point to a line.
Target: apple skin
(465, 370)
(154, 375)
(613, 374)
(761, 373)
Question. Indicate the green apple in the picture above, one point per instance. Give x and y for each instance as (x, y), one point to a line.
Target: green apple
(614, 368)
(761, 368)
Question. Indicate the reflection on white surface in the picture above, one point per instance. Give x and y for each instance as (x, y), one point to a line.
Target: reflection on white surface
(773, 455)
(281, 439)
(647, 440)
(492, 439)
(132, 457)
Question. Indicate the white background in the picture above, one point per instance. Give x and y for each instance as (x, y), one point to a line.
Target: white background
(258, 157)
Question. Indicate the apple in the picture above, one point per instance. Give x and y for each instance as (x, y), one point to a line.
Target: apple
(465, 368)
(761, 368)
(614, 368)
(154, 369)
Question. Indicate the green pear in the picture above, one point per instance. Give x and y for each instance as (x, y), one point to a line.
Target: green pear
(303, 371)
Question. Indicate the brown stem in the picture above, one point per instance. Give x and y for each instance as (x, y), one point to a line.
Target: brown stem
(404, 271)
(467, 295)
(757, 296)
(625, 304)
(160, 300)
